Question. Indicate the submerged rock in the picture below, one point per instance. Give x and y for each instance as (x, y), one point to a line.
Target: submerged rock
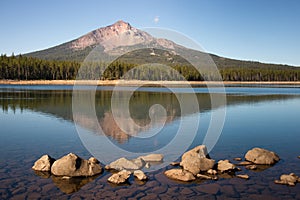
(123, 163)
(43, 164)
(152, 158)
(244, 163)
(140, 175)
(225, 165)
(251, 167)
(196, 161)
(180, 174)
(243, 176)
(288, 179)
(120, 177)
(237, 159)
(202, 176)
(262, 156)
(73, 166)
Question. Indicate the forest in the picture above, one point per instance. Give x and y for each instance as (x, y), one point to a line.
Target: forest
(28, 68)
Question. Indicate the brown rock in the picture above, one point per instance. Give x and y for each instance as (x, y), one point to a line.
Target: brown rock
(152, 158)
(262, 156)
(225, 165)
(288, 179)
(244, 163)
(251, 167)
(72, 165)
(243, 176)
(123, 163)
(195, 160)
(237, 159)
(120, 177)
(212, 172)
(202, 176)
(179, 174)
(43, 164)
(175, 163)
(140, 175)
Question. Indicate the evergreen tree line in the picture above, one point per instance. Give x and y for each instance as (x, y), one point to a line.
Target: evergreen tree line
(28, 68)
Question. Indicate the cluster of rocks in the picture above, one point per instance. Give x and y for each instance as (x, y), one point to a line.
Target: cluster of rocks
(196, 163)
(127, 167)
(72, 165)
(69, 165)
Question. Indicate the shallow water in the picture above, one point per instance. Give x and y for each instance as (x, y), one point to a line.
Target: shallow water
(38, 120)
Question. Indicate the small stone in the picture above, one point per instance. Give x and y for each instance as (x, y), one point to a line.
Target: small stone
(212, 172)
(140, 175)
(152, 158)
(244, 163)
(225, 165)
(299, 157)
(179, 174)
(202, 176)
(251, 167)
(43, 164)
(243, 176)
(175, 163)
(147, 165)
(120, 177)
(237, 159)
(66, 177)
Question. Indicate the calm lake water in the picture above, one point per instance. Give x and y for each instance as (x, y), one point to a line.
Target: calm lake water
(37, 120)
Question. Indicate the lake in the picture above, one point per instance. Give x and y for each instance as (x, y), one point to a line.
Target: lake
(37, 120)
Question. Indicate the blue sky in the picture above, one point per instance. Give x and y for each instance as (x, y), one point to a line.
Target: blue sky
(257, 30)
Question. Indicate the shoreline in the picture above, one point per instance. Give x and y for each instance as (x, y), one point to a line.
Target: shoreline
(138, 82)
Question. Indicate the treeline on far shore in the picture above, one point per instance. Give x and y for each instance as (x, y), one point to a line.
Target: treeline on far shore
(28, 68)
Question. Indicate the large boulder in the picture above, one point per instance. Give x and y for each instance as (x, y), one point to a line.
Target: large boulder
(123, 163)
(225, 165)
(196, 161)
(73, 166)
(262, 156)
(152, 158)
(120, 177)
(43, 164)
(180, 174)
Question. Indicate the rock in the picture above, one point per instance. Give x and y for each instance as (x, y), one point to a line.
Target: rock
(225, 165)
(237, 159)
(152, 158)
(175, 163)
(147, 165)
(179, 174)
(212, 172)
(43, 164)
(299, 157)
(243, 176)
(288, 179)
(251, 167)
(120, 177)
(140, 175)
(262, 156)
(123, 163)
(73, 166)
(244, 163)
(195, 160)
(202, 176)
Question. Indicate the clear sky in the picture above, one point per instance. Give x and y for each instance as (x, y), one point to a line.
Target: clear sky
(258, 30)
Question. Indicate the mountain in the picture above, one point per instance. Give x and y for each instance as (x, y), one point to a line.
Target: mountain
(114, 40)
(111, 39)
